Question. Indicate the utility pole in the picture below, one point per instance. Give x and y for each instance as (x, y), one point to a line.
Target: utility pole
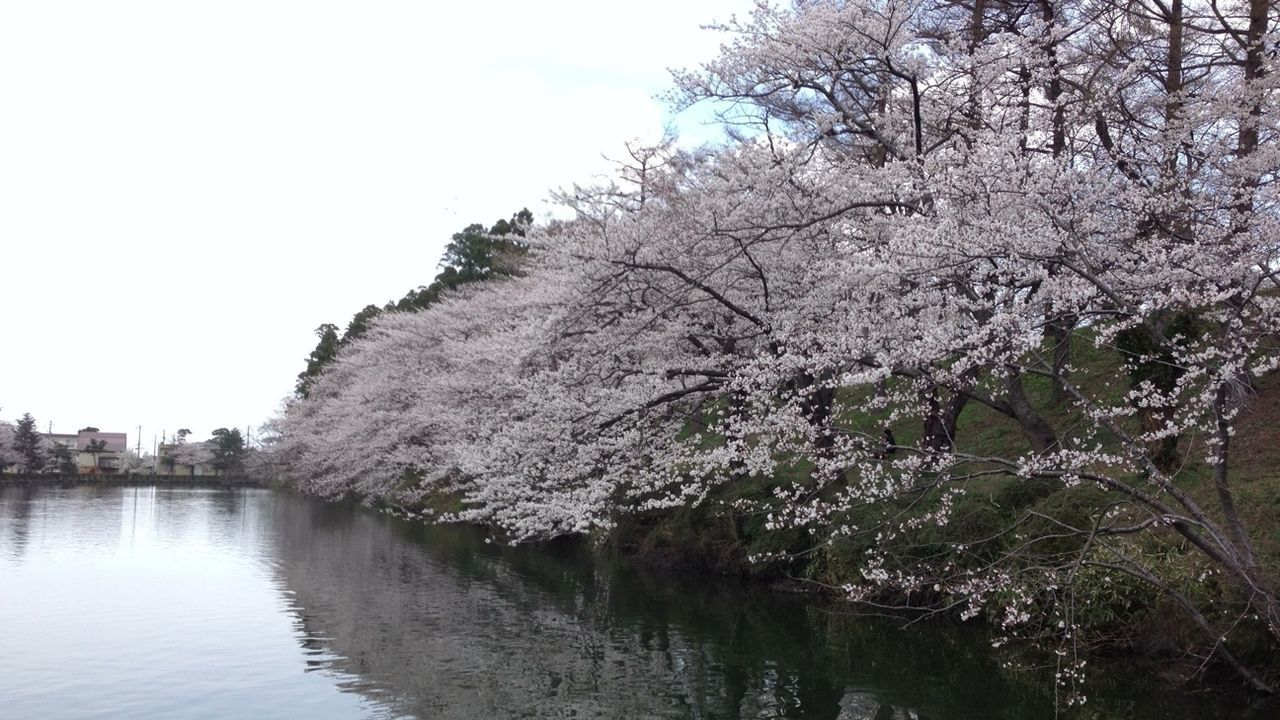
(139, 450)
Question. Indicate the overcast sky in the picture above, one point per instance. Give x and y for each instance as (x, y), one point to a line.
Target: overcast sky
(187, 189)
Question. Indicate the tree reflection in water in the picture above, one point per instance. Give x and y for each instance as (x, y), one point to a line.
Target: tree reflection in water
(434, 622)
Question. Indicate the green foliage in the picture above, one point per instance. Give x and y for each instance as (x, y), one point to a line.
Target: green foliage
(1150, 361)
(685, 537)
(228, 450)
(1022, 493)
(1074, 507)
(717, 536)
(1112, 599)
(28, 444)
(476, 253)
(1146, 360)
(975, 523)
(472, 255)
(62, 460)
(326, 350)
(360, 323)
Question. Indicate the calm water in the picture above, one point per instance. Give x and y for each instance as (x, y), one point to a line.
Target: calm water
(185, 603)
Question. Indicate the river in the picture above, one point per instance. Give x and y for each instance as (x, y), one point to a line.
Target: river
(144, 602)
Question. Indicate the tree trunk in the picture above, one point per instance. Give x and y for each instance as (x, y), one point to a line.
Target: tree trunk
(1038, 432)
(1060, 331)
(817, 401)
(818, 408)
(941, 418)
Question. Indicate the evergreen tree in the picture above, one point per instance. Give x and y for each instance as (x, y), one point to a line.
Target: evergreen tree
(8, 456)
(63, 461)
(29, 445)
(228, 450)
(326, 350)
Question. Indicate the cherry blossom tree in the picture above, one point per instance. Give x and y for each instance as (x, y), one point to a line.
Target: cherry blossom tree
(192, 454)
(9, 456)
(929, 210)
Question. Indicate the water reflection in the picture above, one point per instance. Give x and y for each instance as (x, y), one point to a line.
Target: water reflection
(444, 625)
(149, 603)
(173, 603)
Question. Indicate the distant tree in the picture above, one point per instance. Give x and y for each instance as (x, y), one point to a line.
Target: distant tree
(228, 450)
(8, 454)
(96, 448)
(269, 433)
(193, 454)
(64, 463)
(29, 445)
(476, 254)
(360, 323)
(89, 429)
(326, 350)
(169, 457)
(472, 255)
(134, 463)
(263, 460)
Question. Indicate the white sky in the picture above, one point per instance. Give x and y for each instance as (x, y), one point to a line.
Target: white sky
(187, 189)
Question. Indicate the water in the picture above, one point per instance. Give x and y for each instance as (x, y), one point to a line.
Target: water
(190, 603)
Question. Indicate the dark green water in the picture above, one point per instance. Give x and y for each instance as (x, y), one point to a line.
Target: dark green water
(187, 603)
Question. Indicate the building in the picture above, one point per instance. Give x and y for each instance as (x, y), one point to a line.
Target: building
(93, 452)
(61, 439)
(190, 459)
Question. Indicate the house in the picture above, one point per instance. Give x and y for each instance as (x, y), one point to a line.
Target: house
(110, 459)
(93, 452)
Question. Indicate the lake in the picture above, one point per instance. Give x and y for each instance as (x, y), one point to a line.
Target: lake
(144, 602)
